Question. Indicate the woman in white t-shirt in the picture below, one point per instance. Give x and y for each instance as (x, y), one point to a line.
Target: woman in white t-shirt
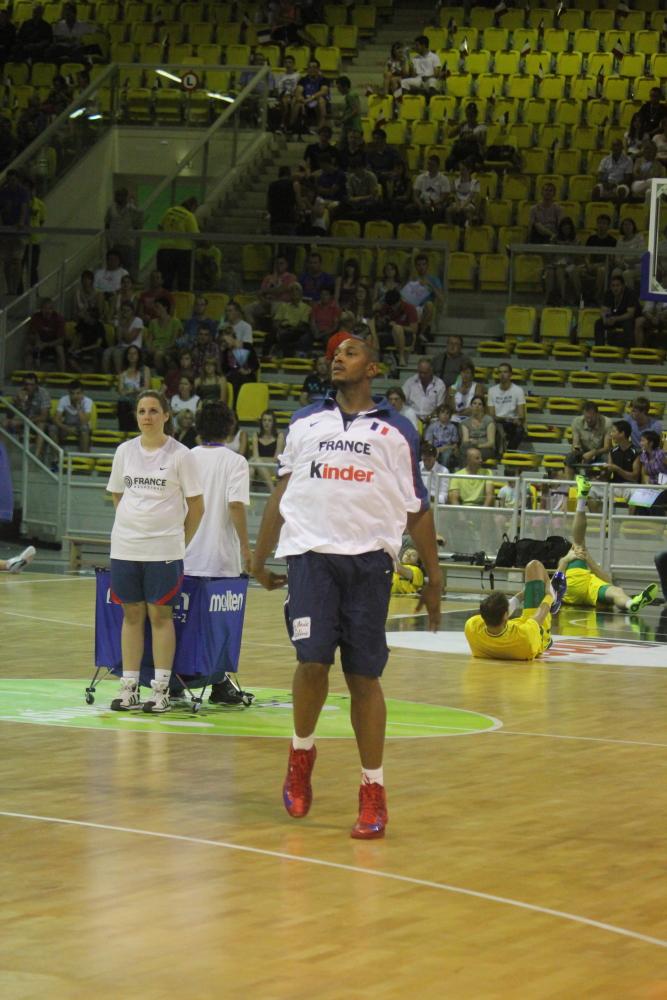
(159, 504)
(185, 398)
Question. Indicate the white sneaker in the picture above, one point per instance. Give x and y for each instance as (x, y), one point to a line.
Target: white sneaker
(160, 701)
(16, 564)
(129, 696)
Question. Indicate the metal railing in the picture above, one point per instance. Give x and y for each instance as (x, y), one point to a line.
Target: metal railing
(41, 489)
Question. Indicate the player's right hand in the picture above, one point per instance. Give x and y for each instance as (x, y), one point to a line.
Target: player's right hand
(268, 579)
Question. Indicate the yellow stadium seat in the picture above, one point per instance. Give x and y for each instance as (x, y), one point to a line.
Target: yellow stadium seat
(478, 62)
(300, 54)
(459, 85)
(346, 38)
(632, 65)
(536, 111)
(412, 107)
(458, 13)
(363, 257)
(583, 88)
(531, 349)
(585, 137)
(200, 33)
(411, 231)
(210, 54)
(556, 322)
(627, 380)
(494, 348)
(507, 63)
(537, 63)
(329, 59)
(481, 17)
(444, 232)
(520, 86)
(143, 33)
(656, 383)
(169, 105)
(218, 80)
(588, 380)
(627, 111)
(251, 401)
(335, 14)
(581, 187)
(489, 85)
(151, 54)
(634, 21)
(528, 269)
(638, 213)
(488, 183)
(586, 321)
(642, 87)
(568, 111)
(255, 260)
(567, 161)
(122, 52)
(569, 63)
(380, 106)
(401, 258)
(647, 42)
(547, 135)
(43, 74)
(364, 17)
(516, 187)
(555, 40)
(571, 20)
(319, 33)
(499, 212)
(523, 211)
(450, 60)
(495, 39)
(535, 160)
(600, 61)
(551, 87)
(379, 229)
(180, 54)
(548, 376)
(520, 321)
(569, 352)
(479, 239)
(541, 15)
(346, 229)
(513, 18)
(441, 107)
(139, 104)
(424, 133)
(615, 88)
(229, 34)
(217, 303)
(586, 40)
(595, 208)
(461, 271)
(183, 303)
(564, 404)
(237, 55)
(646, 356)
(190, 13)
(396, 132)
(611, 39)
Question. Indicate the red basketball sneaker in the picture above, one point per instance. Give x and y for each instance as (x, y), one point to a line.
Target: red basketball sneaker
(373, 816)
(297, 790)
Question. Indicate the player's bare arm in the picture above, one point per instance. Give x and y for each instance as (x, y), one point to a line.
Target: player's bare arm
(267, 539)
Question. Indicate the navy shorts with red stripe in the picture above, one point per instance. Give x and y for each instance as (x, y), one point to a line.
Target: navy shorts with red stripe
(134, 582)
(340, 602)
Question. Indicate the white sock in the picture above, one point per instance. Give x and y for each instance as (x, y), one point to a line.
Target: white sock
(303, 742)
(131, 675)
(162, 676)
(372, 775)
(514, 604)
(581, 505)
(628, 603)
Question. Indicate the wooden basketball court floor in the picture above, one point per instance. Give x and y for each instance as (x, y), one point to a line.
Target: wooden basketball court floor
(523, 862)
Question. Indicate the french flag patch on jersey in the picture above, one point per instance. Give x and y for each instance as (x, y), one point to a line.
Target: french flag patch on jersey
(382, 428)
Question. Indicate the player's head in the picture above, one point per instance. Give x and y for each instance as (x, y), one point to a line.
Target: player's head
(153, 412)
(214, 421)
(354, 362)
(494, 609)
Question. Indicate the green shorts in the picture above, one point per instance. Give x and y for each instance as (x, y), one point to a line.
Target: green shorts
(533, 592)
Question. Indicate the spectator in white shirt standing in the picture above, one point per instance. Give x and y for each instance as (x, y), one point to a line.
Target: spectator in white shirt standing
(220, 546)
(507, 406)
(432, 192)
(614, 175)
(107, 283)
(159, 505)
(425, 68)
(424, 392)
(72, 415)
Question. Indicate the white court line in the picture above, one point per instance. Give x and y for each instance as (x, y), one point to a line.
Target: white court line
(354, 869)
(588, 739)
(40, 618)
(12, 580)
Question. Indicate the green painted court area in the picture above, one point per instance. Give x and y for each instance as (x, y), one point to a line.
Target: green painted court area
(62, 703)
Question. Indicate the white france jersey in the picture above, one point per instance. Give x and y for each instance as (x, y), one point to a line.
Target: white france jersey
(148, 526)
(225, 478)
(350, 488)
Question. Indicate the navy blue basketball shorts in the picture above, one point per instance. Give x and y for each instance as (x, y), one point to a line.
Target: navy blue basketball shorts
(146, 582)
(337, 601)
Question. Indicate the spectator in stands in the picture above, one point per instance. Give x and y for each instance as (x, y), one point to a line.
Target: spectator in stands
(69, 35)
(317, 384)
(623, 464)
(424, 292)
(34, 37)
(507, 406)
(396, 325)
(451, 362)
(353, 149)
(467, 206)
(161, 334)
(434, 475)
(208, 265)
(235, 321)
(396, 397)
(58, 97)
(362, 192)
(471, 492)
(346, 285)
(14, 212)
(562, 274)
(651, 113)
(155, 290)
(461, 394)
(647, 166)
(133, 379)
(237, 439)
(591, 440)
(265, 445)
(72, 416)
(33, 401)
(185, 398)
(324, 319)
(281, 204)
(329, 181)
(184, 364)
(424, 392)
(660, 140)
(653, 459)
(651, 326)
(443, 434)
(126, 294)
(46, 335)
(205, 347)
(432, 192)
(128, 331)
(311, 98)
(210, 385)
(640, 420)
(630, 240)
(396, 67)
(390, 279)
(313, 279)
(185, 431)
(470, 140)
(399, 202)
(239, 365)
(174, 258)
(7, 36)
(291, 323)
(594, 268)
(614, 175)
(351, 111)
(545, 217)
(107, 284)
(191, 325)
(479, 430)
(424, 69)
(273, 289)
(86, 346)
(618, 312)
(381, 158)
(286, 84)
(315, 151)
(85, 298)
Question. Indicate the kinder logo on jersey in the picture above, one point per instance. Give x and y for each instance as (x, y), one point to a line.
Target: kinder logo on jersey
(348, 473)
(151, 482)
(229, 601)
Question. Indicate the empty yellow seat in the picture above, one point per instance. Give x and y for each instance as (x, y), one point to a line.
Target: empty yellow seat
(556, 322)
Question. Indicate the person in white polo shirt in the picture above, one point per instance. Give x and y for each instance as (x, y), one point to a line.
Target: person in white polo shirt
(349, 484)
(424, 392)
(507, 406)
(158, 501)
(221, 546)
(425, 68)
